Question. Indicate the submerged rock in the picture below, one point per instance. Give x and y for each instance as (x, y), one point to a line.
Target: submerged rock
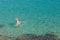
(6, 38)
(49, 37)
(37, 37)
(28, 37)
(31, 37)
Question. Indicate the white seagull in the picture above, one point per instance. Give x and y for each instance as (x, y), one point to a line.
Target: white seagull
(17, 22)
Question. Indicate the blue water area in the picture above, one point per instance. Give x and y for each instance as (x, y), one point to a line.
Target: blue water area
(37, 17)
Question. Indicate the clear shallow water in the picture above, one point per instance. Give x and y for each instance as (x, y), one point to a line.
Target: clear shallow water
(38, 17)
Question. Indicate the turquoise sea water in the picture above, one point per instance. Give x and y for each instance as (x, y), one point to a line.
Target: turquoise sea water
(37, 17)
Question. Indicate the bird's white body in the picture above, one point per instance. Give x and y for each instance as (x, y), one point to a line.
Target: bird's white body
(17, 22)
